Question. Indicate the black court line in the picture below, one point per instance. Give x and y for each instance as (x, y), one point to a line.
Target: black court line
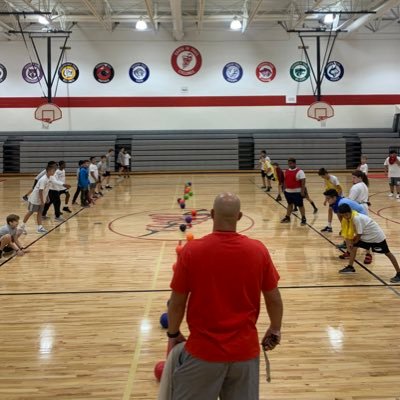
(133, 291)
(42, 236)
(377, 277)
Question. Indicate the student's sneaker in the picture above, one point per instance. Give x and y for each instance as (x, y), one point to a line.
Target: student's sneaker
(396, 278)
(285, 220)
(347, 270)
(41, 229)
(101, 194)
(23, 230)
(268, 189)
(66, 209)
(368, 259)
(59, 219)
(397, 196)
(278, 198)
(390, 194)
(25, 198)
(345, 255)
(108, 187)
(327, 229)
(263, 187)
(303, 221)
(341, 246)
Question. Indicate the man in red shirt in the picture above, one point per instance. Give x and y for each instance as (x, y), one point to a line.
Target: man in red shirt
(221, 277)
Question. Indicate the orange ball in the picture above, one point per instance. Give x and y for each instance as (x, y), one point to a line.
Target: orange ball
(189, 236)
(194, 213)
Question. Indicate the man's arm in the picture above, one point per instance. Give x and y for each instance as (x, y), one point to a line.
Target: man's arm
(176, 312)
(274, 305)
(303, 187)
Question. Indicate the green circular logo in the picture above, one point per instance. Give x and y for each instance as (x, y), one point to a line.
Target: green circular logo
(300, 71)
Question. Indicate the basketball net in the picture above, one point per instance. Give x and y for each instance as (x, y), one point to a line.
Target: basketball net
(45, 124)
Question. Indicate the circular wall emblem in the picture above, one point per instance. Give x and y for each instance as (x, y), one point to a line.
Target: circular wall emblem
(139, 72)
(334, 71)
(265, 71)
(186, 60)
(300, 71)
(32, 73)
(232, 72)
(103, 73)
(3, 73)
(68, 72)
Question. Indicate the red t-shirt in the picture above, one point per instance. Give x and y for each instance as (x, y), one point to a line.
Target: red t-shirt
(224, 272)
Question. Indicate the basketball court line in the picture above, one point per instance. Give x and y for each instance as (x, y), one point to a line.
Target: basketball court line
(377, 277)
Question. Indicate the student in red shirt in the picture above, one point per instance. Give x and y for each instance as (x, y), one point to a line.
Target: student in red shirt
(220, 278)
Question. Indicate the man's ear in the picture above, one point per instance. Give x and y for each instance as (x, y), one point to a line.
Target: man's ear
(212, 213)
(240, 215)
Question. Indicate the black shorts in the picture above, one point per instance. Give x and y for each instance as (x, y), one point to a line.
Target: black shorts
(381, 247)
(265, 175)
(65, 191)
(294, 198)
(107, 173)
(34, 183)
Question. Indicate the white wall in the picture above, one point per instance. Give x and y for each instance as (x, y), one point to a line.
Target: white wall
(371, 67)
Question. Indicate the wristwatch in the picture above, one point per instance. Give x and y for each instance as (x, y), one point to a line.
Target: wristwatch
(173, 335)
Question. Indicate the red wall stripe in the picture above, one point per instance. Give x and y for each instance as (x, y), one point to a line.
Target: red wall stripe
(200, 101)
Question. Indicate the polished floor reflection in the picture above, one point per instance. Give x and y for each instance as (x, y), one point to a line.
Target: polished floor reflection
(80, 313)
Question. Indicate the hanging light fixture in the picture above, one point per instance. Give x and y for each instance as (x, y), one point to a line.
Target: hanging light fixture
(236, 24)
(329, 18)
(141, 24)
(42, 20)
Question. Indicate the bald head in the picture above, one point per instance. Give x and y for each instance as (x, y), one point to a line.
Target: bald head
(226, 212)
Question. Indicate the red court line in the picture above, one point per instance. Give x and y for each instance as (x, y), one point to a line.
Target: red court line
(199, 101)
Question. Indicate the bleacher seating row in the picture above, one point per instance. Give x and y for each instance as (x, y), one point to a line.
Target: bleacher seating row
(190, 151)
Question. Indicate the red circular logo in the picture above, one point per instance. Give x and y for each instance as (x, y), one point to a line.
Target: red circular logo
(186, 60)
(265, 71)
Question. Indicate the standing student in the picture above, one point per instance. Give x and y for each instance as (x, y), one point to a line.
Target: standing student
(363, 167)
(220, 279)
(38, 198)
(37, 177)
(126, 161)
(367, 235)
(107, 172)
(392, 168)
(331, 182)
(60, 176)
(9, 236)
(84, 183)
(101, 168)
(261, 162)
(93, 178)
(295, 186)
(359, 191)
(120, 161)
(78, 189)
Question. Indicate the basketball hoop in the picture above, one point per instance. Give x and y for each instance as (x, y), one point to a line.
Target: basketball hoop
(320, 111)
(48, 113)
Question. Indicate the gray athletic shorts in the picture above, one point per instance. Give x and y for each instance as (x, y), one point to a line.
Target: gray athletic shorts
(394, 181)
(34, 207)
(195, 379)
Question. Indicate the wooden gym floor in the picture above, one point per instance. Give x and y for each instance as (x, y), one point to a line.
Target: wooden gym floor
(79, 314)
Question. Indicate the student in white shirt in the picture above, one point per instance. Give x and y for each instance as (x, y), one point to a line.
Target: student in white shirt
(107, 172)
(60, 176)
(9, 236)
(93, 178)
(363, 167)
(120, 161)
(101, 167)
(37, 177)
(126, 162)
(359, 191)
(38, 198)
(368, 235)
(392, 168)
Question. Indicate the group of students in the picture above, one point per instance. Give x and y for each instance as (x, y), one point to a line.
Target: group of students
(48, 187)
(357, 228)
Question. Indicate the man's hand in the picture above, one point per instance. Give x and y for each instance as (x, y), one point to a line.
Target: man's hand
(66, 185)
(271, 339)
(172, 342)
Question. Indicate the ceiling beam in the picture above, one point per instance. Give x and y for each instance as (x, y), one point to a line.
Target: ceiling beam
(200, 14)
(105, 22)
(150, 13)
(177, 21)
(303, 17)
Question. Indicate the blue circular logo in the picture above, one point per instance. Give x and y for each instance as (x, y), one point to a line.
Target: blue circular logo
(32, 73)
(334, 71)
(139, 72)
(3, 73)
(232, 72)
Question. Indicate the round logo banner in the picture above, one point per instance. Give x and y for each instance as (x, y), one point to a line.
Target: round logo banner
(32, 73)
(103, 73)
(334, 71)
(3, 73)
(68, 72)
(186, 60)
(265, 71)
(300, 71)
(139, 72)
(232, 72)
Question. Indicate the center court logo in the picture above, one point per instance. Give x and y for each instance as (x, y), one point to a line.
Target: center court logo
(186, 60)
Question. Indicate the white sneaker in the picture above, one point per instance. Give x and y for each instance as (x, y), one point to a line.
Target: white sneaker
(390, 194)
(41, 230)
(398, 196)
